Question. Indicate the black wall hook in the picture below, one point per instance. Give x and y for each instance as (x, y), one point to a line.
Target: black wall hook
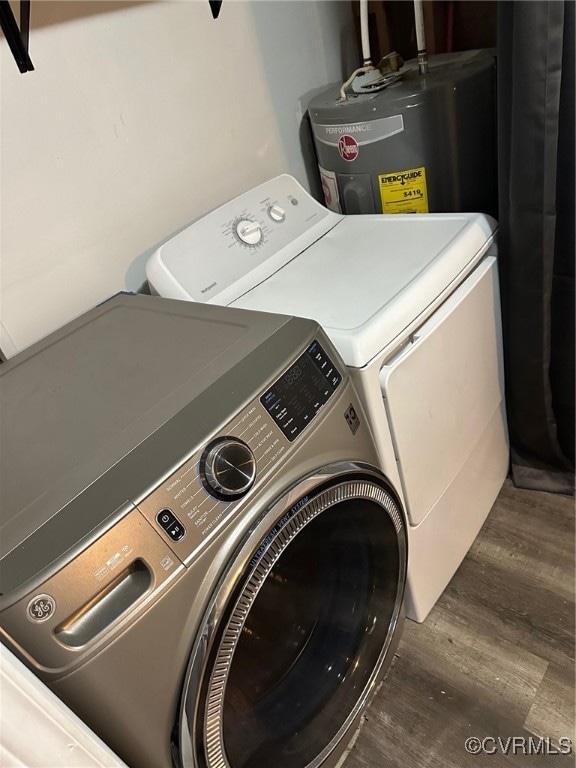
(215, 6)
(16, 38)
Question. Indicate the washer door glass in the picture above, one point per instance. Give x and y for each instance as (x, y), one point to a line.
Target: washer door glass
(306, 632)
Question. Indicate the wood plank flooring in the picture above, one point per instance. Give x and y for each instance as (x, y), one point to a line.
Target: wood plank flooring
(495, 657)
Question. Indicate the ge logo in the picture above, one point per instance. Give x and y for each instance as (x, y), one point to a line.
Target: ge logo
(40, 608)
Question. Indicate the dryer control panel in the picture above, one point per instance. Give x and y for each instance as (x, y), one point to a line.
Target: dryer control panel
(247, 239)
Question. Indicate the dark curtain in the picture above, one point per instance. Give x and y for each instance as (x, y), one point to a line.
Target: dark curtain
(536, 135)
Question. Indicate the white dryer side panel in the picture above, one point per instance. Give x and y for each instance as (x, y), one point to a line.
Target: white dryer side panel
(444, 388)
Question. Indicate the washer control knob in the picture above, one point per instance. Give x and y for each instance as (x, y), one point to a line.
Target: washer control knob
(228, 468)
(276, 213)
(250, 232)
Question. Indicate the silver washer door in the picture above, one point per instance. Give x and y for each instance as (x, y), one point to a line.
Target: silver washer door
(302, 634)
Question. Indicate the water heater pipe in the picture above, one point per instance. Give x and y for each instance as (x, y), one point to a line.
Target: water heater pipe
(420, 37)
(367, 61)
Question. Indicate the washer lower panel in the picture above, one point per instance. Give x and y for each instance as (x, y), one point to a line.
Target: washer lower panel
(304, 616)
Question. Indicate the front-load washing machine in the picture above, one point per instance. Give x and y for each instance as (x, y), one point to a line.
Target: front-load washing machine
(411, 302)
(199, 553)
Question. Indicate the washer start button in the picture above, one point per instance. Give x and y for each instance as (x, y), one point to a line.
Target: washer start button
(171, 525)
(41, 608)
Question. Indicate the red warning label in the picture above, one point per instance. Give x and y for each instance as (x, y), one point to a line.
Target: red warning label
(348, 148)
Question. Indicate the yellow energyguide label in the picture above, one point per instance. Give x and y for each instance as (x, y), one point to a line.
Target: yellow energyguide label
(404, 191)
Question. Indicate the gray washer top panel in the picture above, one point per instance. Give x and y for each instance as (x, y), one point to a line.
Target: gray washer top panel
(73, 405)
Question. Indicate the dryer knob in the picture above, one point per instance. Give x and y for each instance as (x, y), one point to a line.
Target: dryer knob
(276, 213)
(250, 232)
(228, 468)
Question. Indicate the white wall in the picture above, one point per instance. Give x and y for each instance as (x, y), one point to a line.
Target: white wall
(138, 118)
(61, 739)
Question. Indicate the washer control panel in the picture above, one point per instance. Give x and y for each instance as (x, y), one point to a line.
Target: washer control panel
(170, 524)
(67, 618)
(195, 501)
(296, 397)
(228, 468)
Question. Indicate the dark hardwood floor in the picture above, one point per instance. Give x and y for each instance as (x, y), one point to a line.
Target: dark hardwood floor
(495, 657)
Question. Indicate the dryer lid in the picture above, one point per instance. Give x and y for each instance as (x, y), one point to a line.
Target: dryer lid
(368, 278)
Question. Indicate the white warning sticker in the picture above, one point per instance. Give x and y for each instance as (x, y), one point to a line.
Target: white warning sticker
(330, 189)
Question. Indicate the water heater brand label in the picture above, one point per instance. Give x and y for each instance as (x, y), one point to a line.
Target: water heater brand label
(362, 133)
(348, 148)
(404, 191)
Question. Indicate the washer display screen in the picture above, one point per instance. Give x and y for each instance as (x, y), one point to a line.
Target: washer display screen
(298, 395)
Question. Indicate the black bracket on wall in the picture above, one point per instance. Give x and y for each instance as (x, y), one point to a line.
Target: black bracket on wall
(17, 38)
(215, 7)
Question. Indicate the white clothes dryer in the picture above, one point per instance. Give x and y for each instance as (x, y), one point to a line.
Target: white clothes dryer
(411, 302)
